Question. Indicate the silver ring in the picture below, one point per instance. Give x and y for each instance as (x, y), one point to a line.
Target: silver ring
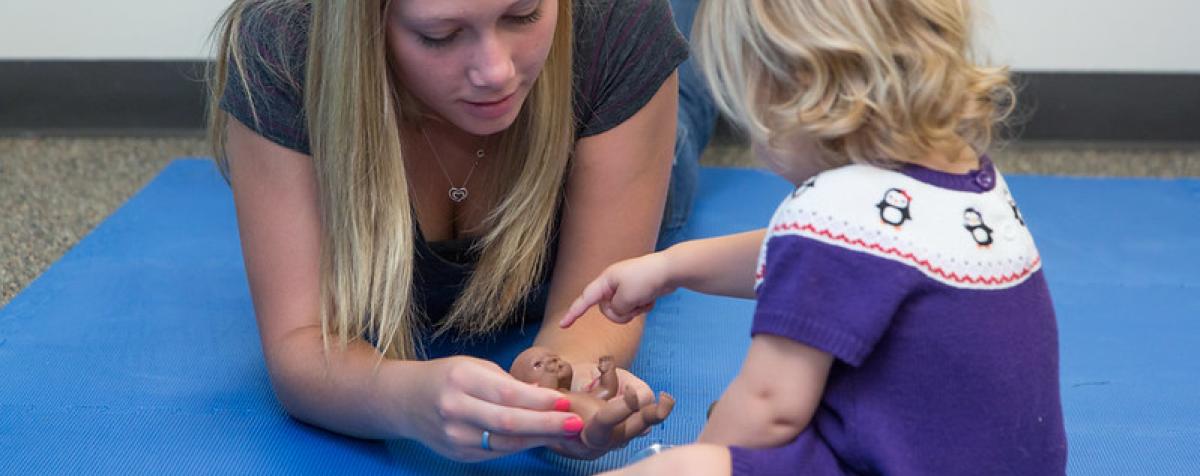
(486, 442)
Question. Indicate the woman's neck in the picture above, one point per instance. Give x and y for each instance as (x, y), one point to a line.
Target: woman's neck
(442, 131)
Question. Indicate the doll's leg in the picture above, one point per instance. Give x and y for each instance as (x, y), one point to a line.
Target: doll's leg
(609, 383)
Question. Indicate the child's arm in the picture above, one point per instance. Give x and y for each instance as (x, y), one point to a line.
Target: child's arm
(692, 460)
(773, 397)
(724, 265)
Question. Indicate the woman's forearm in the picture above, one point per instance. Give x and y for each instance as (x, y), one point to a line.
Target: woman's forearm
(348, 391)
(592, 337)
(613, 205)
(725, 265)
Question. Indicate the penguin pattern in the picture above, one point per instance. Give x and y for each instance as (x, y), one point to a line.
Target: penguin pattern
(1013, 204)
(960, 238)
(980, 232)
(804, 187)
(893, 208)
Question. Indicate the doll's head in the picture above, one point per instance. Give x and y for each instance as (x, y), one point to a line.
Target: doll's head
(823, 83)
(538, 365)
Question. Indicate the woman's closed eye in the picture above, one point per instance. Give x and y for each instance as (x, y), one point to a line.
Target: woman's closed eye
(435, 41)
(527, 19)
(438, 41)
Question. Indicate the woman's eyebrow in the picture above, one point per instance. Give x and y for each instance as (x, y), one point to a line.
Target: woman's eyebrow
(523, 3)
(436, 18)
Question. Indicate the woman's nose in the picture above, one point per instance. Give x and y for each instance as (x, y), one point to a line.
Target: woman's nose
(492, 67)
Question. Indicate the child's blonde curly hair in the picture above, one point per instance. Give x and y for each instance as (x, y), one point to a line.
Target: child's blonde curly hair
(871, 81)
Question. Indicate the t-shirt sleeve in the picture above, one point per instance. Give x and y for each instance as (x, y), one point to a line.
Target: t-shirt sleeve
(838, 300)
(266, 93)
(624, 51)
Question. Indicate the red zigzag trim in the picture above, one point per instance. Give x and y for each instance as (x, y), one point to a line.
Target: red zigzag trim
(950, 276)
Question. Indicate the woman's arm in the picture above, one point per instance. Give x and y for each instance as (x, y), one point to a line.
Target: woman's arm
(276, 195)
(615, 195)
(772, 398)
(443, 403)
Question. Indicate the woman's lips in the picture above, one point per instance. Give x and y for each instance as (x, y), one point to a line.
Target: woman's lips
(491, 109)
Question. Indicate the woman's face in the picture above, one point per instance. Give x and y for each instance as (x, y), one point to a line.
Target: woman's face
(472, 62)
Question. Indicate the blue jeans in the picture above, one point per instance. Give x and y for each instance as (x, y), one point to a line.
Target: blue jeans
(696, 117)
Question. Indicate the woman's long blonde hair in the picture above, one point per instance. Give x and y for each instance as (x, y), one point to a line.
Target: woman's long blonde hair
(354, 110)
(872, 81)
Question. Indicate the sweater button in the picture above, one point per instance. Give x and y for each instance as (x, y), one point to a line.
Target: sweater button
(985, 180)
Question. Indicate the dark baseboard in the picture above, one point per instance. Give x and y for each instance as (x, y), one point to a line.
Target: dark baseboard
(1108, 107)
(99, 97)
(168, 97)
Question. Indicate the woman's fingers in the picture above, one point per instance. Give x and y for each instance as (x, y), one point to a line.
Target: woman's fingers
(505, 444)
(516, 415)
(519, 422)
(509, 406)
(495, 385)
(629, 381)
(467, 443)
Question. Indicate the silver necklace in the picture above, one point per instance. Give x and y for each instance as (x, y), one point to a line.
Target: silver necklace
(457, 194)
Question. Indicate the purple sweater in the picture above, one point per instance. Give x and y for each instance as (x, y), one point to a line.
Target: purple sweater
(927, 290)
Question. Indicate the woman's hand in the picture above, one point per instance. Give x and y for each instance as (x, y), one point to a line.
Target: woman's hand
(624, 290)
(461, 397)
(586, 377)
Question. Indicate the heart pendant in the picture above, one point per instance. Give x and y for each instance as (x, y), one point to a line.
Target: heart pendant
(458, 194)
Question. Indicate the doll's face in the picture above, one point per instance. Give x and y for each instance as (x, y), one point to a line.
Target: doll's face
(540, 366)
(472, 62)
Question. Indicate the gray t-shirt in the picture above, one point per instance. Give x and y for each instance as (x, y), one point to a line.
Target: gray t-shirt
(624, 50)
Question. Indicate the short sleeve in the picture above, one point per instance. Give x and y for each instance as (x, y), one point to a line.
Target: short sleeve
(266, 94)
(624, 51)
(838, 300)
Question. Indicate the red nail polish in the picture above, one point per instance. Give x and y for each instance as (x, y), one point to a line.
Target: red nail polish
(562, 405)
(573, 425)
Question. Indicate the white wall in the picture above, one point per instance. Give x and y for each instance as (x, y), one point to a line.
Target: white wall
(1057, 35)
(106, 29)
(1094, 35)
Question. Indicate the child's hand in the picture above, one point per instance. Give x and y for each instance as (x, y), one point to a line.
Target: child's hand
(624, 290)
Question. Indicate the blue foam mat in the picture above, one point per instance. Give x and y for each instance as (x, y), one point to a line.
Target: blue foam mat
(137, 352)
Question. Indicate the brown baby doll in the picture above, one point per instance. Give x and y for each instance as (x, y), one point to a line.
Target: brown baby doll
(608, 422)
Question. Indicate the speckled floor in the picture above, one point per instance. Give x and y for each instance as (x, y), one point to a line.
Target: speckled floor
(53, 191)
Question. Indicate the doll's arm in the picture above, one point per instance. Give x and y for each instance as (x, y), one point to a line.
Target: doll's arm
(772, 398)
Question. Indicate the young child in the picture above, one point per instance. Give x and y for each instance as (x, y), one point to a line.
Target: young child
(903, 324)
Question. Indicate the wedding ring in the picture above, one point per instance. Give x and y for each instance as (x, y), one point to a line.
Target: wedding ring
(486, 441)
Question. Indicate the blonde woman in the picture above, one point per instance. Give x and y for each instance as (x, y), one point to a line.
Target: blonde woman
(413, 170)
(903, 324)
